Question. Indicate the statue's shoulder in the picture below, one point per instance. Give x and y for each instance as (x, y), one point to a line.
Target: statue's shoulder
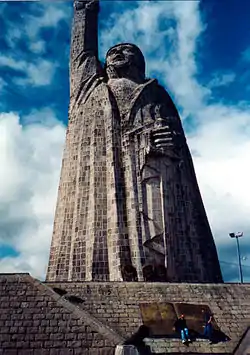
(159, 89)
(156, 92)
(153, 99)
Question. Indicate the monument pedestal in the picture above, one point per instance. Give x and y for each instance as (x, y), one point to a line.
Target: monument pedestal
(95, 318)
(124, 306)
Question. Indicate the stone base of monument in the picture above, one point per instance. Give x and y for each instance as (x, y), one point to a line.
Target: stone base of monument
(125, 306)
(126, 350)
(93, 318)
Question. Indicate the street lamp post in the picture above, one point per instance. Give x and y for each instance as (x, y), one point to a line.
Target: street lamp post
(237, 236)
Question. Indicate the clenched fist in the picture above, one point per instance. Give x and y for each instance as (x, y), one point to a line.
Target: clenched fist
(163, 137)
(88, 4)
(164, 134)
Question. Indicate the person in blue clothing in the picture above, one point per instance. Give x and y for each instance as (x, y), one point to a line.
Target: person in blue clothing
(208, 330)
(182, 329)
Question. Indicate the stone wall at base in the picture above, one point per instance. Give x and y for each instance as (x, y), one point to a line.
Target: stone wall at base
(34, 321)
(116, 304)
(92, 318)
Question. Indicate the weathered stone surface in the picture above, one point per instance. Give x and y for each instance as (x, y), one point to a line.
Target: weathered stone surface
(126, 350)
(129, 207)
(243, 347)
(35, 320)
(117, 304)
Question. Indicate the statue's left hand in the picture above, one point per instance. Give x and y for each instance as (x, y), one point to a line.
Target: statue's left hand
(162, 137)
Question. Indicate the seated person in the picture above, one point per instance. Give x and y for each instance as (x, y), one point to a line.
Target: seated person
(181, 328)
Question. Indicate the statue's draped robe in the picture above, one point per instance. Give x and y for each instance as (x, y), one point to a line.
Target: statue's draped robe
(124, 194)
(117, 192)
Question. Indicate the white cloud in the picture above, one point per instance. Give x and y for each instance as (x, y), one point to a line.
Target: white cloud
(51, 15)
(13, 35)
(2, 83)
(37, 47)
(31, 157)
(221, 79)
(223, 172)
(10, 62)
(41, 16)
(38, 73)
(246, 55)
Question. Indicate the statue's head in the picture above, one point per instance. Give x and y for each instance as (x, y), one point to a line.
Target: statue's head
(125, 57)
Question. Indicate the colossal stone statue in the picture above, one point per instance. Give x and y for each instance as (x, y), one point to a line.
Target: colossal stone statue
(129, 207)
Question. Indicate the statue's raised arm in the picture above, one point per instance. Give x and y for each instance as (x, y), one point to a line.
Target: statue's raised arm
(84, 44)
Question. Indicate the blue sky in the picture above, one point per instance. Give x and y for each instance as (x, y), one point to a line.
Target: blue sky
(200, 51)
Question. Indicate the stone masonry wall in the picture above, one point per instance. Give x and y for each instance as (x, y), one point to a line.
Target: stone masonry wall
(117, 305)
(33, 321)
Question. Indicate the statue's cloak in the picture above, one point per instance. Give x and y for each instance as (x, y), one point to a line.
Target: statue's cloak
(128, 199)
(129, 206)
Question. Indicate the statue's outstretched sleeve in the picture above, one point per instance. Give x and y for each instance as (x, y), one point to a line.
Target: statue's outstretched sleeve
(84, 63)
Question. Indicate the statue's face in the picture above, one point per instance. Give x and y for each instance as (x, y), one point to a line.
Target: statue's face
(122, 55)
